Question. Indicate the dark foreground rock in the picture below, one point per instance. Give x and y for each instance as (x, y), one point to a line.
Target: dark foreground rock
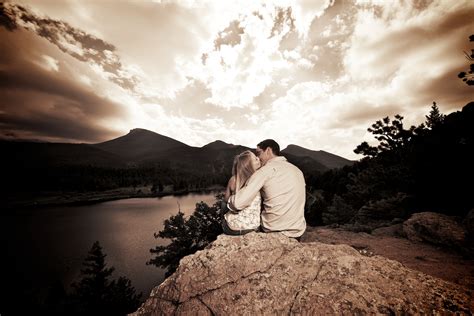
(271, 274)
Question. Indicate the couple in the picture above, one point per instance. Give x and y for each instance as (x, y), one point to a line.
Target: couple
(269, 177)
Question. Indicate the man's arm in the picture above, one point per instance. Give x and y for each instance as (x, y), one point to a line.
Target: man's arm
(247, 194)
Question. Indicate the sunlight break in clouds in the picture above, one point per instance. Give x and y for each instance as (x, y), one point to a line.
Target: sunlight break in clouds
(312, 73)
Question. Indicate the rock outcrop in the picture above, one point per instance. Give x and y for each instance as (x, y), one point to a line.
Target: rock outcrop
(271, 274)
(435, 228)
(440, 262)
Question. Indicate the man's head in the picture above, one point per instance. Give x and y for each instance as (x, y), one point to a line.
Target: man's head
(267, 150)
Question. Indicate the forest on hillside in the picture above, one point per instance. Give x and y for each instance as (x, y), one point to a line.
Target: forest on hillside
(88, 178)
(412, 169)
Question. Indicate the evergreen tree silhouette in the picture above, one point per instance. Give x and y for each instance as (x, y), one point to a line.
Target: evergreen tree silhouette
(95, 294)
(435, 118)
(95, 283)
(92, 289)
(468, 77)
(391, 135)
(187, 235)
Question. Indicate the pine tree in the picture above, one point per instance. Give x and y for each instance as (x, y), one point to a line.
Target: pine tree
(187, 235)
(391, 135)
(95, 294)
(91, 291)
(435, 118)
(122, 297)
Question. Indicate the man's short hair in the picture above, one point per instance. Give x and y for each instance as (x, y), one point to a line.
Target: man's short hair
(270, 143)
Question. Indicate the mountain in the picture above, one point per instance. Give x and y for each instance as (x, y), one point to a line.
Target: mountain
(307, 164)
(329, 160)
(141, 144)
(146, 148)
(140, 157)
(37, 155)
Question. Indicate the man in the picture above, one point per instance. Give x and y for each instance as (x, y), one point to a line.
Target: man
(283, 192)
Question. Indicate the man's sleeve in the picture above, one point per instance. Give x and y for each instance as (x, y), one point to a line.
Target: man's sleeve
(247, 194)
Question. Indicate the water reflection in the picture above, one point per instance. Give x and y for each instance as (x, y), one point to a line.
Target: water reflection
(57, 239)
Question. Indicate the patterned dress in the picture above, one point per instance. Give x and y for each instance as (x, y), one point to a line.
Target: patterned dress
(248, 218)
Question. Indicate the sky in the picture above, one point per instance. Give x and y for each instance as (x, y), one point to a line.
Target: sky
(312, 73)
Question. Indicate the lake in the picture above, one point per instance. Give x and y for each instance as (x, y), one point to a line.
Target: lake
(51, 243)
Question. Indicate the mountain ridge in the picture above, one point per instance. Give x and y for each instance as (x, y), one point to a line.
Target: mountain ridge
(144, 147)
(329, 160)
(140, 157)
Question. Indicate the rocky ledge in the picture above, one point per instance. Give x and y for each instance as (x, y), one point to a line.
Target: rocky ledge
(271, 274)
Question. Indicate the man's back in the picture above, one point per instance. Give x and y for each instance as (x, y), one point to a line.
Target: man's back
(284, 197)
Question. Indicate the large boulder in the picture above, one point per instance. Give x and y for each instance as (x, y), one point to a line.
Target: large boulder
(435, 228)
(271, 274)
(395, 230)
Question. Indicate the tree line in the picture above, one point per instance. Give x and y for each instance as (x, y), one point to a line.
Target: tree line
(411, 169)
(88, 178)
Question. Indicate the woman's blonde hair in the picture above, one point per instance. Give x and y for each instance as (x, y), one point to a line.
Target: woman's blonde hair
(242, 169)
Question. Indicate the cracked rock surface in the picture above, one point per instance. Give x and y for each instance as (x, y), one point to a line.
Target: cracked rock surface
(271, 274)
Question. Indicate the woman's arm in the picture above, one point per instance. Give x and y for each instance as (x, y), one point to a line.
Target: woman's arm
(230, 188)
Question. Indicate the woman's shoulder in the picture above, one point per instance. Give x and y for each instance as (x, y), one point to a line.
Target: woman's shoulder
(231, 184)
(231, 181)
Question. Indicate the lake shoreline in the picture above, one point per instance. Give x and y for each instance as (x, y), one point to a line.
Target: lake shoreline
(49, 199)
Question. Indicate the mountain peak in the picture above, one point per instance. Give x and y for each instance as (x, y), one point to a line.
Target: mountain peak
(140, 144)
(293, 146)
(140, 131)
(218, 144)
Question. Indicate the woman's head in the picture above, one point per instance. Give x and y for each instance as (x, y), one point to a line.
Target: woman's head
(245, 164)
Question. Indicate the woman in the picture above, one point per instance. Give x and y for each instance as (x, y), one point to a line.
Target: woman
(248, 219)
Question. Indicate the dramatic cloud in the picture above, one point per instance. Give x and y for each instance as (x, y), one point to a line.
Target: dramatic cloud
(40, 98)
(312, 73)
(70, 40)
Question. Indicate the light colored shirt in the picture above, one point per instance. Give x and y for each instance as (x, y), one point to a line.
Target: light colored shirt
(248, 218)
(282, 187)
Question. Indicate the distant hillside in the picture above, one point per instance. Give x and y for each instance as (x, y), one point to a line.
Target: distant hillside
(141, 147)
(37, 155)
(307, 164)
(140, 144)
(329, 160)
(216, 157)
